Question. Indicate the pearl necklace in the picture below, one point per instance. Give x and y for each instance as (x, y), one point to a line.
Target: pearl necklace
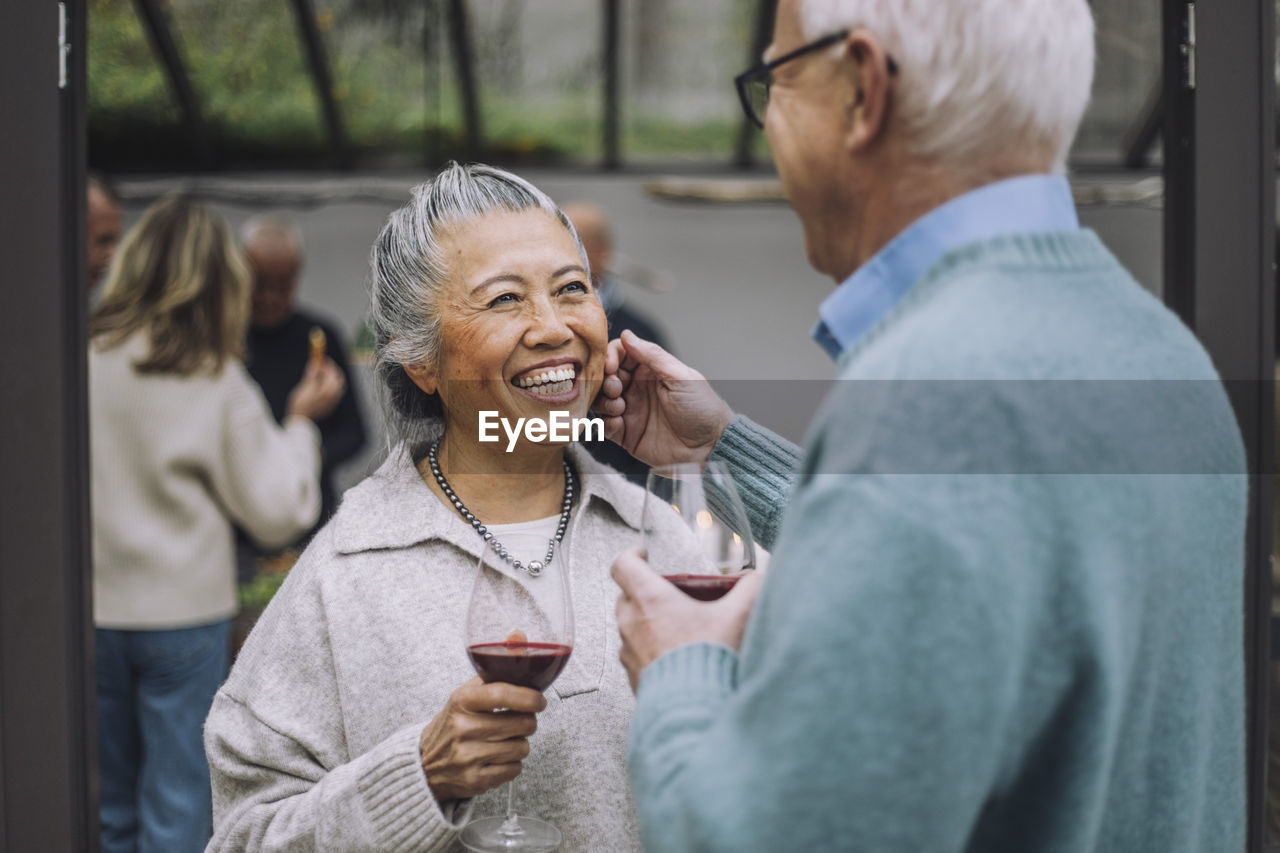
(535, 567)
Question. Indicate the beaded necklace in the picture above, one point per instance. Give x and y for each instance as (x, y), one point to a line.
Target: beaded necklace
(534, 567)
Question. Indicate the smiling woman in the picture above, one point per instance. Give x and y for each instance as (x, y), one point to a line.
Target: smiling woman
(521, 329)
(350, 720)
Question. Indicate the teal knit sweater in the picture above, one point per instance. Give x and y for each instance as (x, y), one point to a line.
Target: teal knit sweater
(1004, 606)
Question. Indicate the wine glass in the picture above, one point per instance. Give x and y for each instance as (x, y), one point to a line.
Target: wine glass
(519, 631)
(695, 529)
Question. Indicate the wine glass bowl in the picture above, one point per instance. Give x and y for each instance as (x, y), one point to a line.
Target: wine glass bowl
(696, 533)
(519, 631)
(519, 662)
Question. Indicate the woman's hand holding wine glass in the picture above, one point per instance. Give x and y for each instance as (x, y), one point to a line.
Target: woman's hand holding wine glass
(470, 747)
(519, 637)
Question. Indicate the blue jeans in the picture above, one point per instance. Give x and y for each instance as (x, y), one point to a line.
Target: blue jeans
(155, 689)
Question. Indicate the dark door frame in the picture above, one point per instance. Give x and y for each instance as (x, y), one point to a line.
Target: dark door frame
(1220, 152)
(48, 797)
(1220, 182)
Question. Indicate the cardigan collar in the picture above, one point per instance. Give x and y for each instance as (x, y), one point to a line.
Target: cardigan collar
(394, 508)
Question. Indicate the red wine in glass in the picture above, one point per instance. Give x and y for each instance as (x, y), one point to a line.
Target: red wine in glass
(704, 587)
(524, 664)
(696, 533)
(519, 631)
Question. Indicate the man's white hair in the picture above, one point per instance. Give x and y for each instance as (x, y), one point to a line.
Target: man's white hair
(978, 75)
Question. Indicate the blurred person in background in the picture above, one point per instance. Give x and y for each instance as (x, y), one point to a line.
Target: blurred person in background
(283, 340)
(104, 222)
(1003, 612)
(596, 233)
(183, 446)
(353, 719)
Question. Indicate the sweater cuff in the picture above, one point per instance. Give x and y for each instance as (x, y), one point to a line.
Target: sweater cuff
(765, 466)
(398, 801)
(457, 813)
(299, 424)
(697, 674)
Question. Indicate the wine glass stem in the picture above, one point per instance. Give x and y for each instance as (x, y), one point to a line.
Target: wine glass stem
(511, 826)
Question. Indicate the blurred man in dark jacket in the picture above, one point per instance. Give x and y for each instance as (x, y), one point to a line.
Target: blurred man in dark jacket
(282, 337)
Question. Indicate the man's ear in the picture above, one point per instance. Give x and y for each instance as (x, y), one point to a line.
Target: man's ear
(424, 376)
(866, 63)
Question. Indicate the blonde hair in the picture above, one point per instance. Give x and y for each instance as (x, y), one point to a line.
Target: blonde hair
(180, 279)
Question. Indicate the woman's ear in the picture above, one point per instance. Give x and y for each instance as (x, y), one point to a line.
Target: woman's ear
(423, 375)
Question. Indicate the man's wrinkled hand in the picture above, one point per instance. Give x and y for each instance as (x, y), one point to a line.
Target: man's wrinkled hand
(657, 408)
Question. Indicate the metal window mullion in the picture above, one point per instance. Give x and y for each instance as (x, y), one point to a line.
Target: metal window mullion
(166, 49)
(460, 40)
(322, 79)
(1220, 232)
(611, 60)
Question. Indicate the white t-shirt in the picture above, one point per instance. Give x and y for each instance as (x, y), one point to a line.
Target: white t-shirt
(527, 541)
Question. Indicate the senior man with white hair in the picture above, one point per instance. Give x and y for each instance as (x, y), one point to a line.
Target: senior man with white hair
(1003, 610)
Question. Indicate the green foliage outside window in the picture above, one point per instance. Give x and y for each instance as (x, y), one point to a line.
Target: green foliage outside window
(246, 64)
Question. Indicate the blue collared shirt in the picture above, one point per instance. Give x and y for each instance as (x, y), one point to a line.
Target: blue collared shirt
(1023, 205)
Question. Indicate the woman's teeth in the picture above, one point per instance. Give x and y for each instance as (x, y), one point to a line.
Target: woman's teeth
(549, 382)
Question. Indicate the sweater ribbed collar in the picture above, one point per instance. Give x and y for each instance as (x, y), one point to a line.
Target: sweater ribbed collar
(1028, 204)
(1079, 251)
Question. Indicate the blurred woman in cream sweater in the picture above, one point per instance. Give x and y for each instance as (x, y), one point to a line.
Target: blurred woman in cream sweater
(183, 445)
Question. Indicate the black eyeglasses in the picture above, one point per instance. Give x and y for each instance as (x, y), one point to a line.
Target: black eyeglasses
(753, 84)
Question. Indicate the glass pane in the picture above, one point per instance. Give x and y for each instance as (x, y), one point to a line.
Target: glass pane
(538, 71)
(381, 80)
(444, 114)
(129, 101)
(678, 64)
(247, 66)
(538, 68)
(1125, 77)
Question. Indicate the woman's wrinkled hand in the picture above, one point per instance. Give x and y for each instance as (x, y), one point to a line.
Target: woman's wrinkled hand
(478, 741)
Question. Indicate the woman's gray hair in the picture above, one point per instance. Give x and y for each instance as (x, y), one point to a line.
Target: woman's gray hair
(407, 271)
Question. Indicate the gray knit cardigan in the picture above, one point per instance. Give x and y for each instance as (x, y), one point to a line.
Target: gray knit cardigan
(313, 740)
